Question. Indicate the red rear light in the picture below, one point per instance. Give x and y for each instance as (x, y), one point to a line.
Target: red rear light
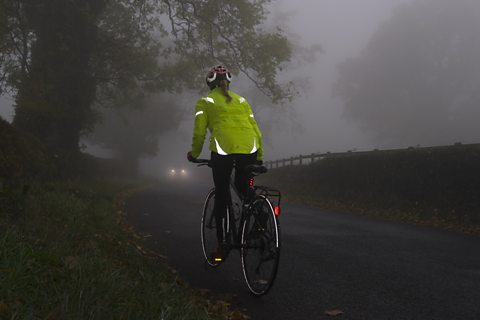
(250, 182)
(276, 210)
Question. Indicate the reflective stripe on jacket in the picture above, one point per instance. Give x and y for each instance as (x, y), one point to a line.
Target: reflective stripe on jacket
(232, 125)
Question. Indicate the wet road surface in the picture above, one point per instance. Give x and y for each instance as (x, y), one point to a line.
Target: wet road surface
(368, 269)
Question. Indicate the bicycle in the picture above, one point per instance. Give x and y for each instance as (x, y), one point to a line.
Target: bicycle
(257, 234)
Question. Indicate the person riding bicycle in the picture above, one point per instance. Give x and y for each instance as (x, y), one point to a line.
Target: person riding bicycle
(234, 138)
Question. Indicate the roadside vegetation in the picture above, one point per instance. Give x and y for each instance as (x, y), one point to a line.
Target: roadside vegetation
(435, 186)
(67, 253)
(64, 251)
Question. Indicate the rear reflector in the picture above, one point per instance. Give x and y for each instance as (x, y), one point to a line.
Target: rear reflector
(276, 210)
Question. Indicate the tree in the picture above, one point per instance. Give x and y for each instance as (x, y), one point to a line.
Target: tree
(417, 79)
(55, 95)
(15, 41)
(76, 55)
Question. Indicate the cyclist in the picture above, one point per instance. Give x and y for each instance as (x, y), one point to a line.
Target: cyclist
(234, 138)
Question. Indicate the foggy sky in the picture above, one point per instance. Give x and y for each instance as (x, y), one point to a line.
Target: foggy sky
(342, 28)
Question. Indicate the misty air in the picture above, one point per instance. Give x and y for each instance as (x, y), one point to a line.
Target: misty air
(239, 159)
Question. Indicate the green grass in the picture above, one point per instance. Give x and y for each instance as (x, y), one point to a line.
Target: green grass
(65, 253)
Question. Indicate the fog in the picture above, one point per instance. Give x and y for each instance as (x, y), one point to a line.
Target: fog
(6, 107)
(332, 113)
(315, 120)
(342, 28)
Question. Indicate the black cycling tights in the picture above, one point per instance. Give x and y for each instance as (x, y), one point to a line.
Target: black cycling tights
(222, 169)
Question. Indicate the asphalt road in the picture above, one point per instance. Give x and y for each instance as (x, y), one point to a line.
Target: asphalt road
(368, 269)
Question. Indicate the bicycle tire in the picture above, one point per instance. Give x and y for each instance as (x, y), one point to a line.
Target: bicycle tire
(260, 251)
(209, 230)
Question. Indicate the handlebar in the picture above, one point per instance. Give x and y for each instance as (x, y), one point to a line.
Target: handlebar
(201, 162)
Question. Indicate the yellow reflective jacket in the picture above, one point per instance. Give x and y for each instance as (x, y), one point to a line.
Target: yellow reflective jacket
(232, 126)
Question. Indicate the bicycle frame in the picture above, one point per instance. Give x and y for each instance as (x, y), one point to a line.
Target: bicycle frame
(250, 225)
(233, 230)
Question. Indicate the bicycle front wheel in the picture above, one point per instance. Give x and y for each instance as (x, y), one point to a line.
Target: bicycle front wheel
(260, 246)
(209, 230)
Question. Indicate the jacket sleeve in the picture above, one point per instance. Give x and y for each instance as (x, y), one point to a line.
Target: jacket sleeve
(200, 128)
(251, 118)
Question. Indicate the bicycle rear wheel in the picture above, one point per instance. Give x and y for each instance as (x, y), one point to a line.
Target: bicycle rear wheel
(260, 246)
(209, 230)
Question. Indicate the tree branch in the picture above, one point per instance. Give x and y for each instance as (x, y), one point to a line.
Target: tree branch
(237, 52)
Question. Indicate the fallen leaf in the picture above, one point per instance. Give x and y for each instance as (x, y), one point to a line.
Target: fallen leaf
(204, 292)
(71, 261)
(219, 306)
(237, 315)
(334, 313)
(4, 308)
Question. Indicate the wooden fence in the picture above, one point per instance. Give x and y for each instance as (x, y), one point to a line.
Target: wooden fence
(307, 159)
(311, 158)
(299, 160)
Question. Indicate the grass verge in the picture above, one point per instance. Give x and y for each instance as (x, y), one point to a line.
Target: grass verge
(65, 253)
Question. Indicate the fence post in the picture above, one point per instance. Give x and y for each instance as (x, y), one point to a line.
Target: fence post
(291, 161)
(313, 158)
(301, 159)
(276, 163)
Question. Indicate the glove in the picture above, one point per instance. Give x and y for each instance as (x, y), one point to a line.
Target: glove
(190, 157)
